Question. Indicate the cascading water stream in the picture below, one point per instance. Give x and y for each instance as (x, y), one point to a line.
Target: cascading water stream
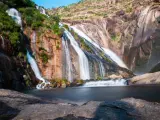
(112, 55)
(17, 18)
(15, 15)
(118, 82)
(108, 52)
(42, 10)
(34, 41)
(102, 70)
(68, 60)
(36, 71)
(83, 61)
(115, 57)
(3, 44)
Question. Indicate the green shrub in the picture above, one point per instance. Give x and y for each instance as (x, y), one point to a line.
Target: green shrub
(80, 82)
(32, 17)
(42, 49)
(99, 78)
(19, 3)
(14, 38)
(44, 57)
(8, 28)
(3, 6)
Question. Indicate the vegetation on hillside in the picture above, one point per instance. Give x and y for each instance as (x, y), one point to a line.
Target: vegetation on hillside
(8, 28)
(17, 3)
(32, 17)
(89, 9)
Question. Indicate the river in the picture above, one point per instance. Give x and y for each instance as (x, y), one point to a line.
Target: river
(82, 94)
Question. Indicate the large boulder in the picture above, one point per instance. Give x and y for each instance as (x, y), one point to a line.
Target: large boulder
(149, 78)
(12, 102)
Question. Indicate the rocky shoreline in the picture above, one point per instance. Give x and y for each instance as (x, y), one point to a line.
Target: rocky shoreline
(16, 106)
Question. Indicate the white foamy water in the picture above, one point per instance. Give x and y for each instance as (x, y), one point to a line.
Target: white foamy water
(68, 60)
(15, 15)
(102, 69)
(119, 82)
(36, 71)
(42, 10)
(115, 58)
(83, 60)
(108, 52)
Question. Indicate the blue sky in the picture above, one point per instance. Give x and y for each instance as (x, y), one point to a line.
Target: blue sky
(54, 3)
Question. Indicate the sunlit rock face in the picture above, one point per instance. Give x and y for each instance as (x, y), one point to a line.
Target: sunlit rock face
(137, 36)
(142, 54)
(49, 44)
(96, 30)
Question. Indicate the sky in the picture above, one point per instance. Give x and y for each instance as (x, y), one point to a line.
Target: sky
(54, 3)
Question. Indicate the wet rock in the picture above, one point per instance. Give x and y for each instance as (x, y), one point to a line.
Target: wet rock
(15, 99)
(115, 76)
(12, 102)
(149, 78)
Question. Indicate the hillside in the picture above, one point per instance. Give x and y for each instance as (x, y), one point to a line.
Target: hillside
(95, 9)
(127, 27)
(25, 29)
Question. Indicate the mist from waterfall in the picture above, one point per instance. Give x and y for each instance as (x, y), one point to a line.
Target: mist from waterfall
(68, 67)
(83, 60)
(108, 52)
(36, 71)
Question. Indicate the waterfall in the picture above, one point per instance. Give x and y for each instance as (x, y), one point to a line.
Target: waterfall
(3, 44)
(34, 42)
(83, 61)
(42, 10)
(108, 52)
(17, 18)
(68, 66)
(115, 57)
(102, 70)
(118, 82)
(36, 71)
(15, 15)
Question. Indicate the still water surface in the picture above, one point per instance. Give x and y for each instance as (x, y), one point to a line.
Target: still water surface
(78, 94)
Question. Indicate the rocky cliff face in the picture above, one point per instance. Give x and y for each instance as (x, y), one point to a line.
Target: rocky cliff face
(143, 52)
(133, 36)
(47, 49)
(14, 71)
